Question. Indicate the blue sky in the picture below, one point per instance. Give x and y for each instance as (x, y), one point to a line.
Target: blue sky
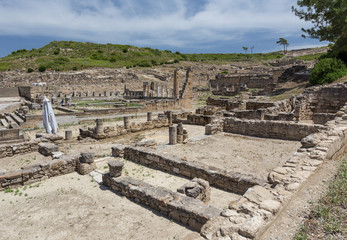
(188, 26)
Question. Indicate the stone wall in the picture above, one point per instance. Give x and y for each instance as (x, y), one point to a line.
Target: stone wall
(8, 150)
(38, 172)
(187, 210)
(228, 181)
(119, 130)
(9, 92)
(320, 99)
(322, 118)
(270, 129)
(11, 134)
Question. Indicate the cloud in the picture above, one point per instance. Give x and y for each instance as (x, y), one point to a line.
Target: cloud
(178, 23)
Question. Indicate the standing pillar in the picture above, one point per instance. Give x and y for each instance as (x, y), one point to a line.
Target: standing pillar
(126, 123)
(180, 133)
(172, 135)
(157, 91)
(176, 86)
(99, 129)
(169, 117)
(149, 116)
(68, 135)
(162, 91)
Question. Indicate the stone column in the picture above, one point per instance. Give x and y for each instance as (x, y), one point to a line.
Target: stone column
(176, 86)
(68, 135)
(180, 133)
(162, 91)
(126, 122)
(172, 135)
(169, 117)
(145, 85)
(149, 116)
(95, 94)
(67, 101)
(157, 91)
(99, 129)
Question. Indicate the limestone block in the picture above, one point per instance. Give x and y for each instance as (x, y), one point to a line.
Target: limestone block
(197, 188)
(84, 168)
(87, 157)
(150, 143)
(210, 228)
(46, 149)
(270, 205)
(118, 151)
(258, 194)
(251, 227)
(115, 167)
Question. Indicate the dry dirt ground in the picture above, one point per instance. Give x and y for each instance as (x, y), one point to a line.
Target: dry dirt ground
(75, 207)
(237, 153)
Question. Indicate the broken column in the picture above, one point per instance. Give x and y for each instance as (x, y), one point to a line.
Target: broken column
(126, 122)
(172, 135)
(198, 189)
(68, 135)
(116, 167)
(180, 133)
(67, 100)
(149, 116)
(169, 117)
(99, 129)
(145, 86)
(185, 134)
(176, 86)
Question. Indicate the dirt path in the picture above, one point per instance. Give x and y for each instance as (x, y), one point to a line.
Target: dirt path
(290, 218)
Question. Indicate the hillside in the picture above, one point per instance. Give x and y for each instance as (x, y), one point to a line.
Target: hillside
(69, 55)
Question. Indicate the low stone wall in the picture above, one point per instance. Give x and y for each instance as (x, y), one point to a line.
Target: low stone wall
(118, 130)
(255, 105)
(11, 134)
(228, 181)
(322, 118)
(187, 210)
(8, 150)
(270, 129)
(38, 172)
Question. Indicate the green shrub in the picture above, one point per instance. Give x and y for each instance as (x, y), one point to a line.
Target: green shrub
(327, 70)
(42, 68)
(176, 61)
(74, 68)
(30, 70)
(56, 51)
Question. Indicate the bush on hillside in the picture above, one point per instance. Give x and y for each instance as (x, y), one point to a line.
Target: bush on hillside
(327, 70)
(30, 70)
(42, 68)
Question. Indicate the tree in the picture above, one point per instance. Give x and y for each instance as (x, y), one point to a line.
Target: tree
(329, 18)
(252, 49)
(283, 42)
(245, 48)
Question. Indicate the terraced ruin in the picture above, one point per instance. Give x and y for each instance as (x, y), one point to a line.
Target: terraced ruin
(184, 151)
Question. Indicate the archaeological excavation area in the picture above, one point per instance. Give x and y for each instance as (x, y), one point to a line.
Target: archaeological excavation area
(152, 161)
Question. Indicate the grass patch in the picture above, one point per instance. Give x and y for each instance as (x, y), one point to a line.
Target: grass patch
(328, 219)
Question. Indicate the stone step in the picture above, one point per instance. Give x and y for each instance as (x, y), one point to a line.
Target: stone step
(16, 119)
(20, 116)
(4, 123)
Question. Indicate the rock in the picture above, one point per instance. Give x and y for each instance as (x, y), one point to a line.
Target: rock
(118, 151)
(46, 149)
(151, 143)
(270, 205)
(229, 213)
(309, 141)
(211, 227)
(116, 167)
(258, 194)
(251, 227)
(274, 177)
(197, 188)
(193, 236)
(84, 168)
(56, 155)
(87, 157)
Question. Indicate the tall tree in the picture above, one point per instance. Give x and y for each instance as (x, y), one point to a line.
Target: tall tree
(252, 49)
(284, 43)
(245, 48)
(329, 18)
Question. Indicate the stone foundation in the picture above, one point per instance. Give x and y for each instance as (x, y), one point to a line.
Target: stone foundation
(189, 211)
(229, 181)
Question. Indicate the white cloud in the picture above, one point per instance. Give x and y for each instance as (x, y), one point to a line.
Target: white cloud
(156, 22)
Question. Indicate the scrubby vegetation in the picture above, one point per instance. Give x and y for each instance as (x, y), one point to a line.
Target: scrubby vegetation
(327, 70)
(328, 220)
(69, 55)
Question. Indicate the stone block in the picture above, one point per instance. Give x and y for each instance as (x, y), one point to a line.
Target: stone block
(251, 227)
(47, 149)
(115, 167)
(87, 157)
(197, 188)
(118, 151)
(85, 168)
(270, 205)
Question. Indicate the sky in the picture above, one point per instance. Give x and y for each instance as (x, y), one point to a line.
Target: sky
(187, 26)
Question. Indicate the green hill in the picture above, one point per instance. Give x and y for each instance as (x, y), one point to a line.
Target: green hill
(69, 55)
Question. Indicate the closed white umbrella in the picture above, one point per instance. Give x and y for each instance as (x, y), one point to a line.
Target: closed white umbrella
(49, 121)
